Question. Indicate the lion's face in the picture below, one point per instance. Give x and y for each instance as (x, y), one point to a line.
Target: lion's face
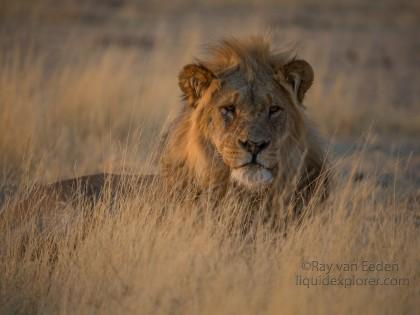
(246, 124)
(245, 114)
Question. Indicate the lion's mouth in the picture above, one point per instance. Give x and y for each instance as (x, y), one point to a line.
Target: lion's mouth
(253, 163)
(252, 175)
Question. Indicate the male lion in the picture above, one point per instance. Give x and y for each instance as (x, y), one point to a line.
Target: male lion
(242, 127)
(243, 124)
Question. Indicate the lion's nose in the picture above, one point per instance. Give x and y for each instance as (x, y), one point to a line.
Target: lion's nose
(253, 147)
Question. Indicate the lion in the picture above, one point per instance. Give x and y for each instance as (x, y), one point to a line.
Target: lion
(242, 128)
(243, 124)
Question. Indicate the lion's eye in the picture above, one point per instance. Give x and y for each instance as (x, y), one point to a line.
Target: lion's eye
(229, 109)
(274, 110)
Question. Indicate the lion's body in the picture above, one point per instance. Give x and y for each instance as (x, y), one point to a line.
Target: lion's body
(88, 188)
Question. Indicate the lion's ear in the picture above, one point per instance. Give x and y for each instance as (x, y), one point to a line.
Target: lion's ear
(300, 75)
(194, 79)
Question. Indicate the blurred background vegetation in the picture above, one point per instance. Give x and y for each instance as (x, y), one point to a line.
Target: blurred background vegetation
(85, 83)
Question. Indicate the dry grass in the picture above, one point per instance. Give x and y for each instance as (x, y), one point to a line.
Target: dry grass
(81, 94)
(191, 263)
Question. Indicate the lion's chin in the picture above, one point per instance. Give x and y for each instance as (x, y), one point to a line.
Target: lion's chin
(252, 176)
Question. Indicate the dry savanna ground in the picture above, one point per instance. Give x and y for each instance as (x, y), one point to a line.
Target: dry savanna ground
(88, 86)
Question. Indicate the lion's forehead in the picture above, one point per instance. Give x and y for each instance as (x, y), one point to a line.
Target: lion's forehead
(255, 95)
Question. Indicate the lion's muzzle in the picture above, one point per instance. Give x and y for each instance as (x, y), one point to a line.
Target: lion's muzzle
(251, 171)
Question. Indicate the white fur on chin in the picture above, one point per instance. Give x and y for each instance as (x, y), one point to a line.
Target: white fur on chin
(252, 177)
